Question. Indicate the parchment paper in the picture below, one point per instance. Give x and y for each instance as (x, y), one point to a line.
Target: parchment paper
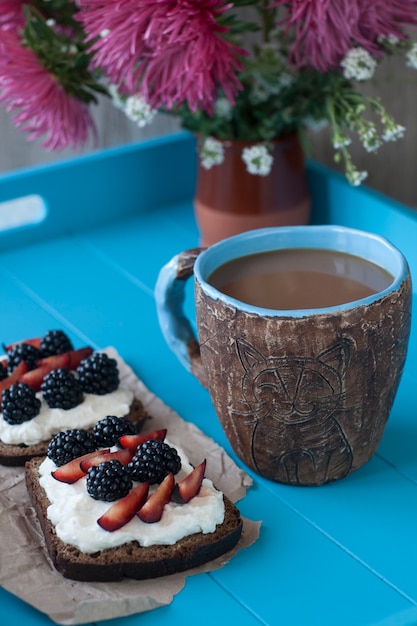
(25, 567)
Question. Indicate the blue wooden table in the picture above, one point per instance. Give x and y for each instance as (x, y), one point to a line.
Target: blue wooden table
(86, 260)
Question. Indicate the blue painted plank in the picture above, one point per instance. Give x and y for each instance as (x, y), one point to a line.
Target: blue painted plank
(201, 603)
(372, 514)
(297, 576)
(136, 249)
(398, 445)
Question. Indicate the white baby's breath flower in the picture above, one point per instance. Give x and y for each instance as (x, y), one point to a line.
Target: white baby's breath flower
(285, 80)
(211, 153)
(138, 110)
(393, 132)
(314, 124)
(358, 64)
(258, 160)
(370, 140)
(341, 142)
(357, 177)
(105, 32)
(412, 56)
(391, 39)
(223, 108)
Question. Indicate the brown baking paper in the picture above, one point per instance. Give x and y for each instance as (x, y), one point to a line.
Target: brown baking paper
(25, 567)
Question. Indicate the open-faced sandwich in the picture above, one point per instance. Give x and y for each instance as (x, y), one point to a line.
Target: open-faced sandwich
(47, 386)
(133, 508)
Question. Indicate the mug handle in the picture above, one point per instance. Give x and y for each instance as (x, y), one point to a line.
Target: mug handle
(175, 327)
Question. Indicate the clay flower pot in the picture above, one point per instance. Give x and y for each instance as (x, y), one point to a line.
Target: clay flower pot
(230, 200)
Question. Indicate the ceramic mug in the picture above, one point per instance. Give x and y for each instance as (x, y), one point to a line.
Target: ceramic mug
(303, 395)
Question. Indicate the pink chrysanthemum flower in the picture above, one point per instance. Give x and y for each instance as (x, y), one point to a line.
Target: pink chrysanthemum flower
(11, 14)
(44, 109)
(387, 18)
(170, 51)
(325, 30)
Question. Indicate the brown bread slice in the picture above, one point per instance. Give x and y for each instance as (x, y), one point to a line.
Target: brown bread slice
(17, 455)
(131, 560)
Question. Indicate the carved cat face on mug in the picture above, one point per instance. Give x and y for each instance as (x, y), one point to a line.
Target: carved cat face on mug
(292, 401)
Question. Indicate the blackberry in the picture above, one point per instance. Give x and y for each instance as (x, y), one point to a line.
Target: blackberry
(98, 374)
(153, 460)
(22, 352)
(55, 342)
(70, 444)
(3, 371)
(108, 481)
(61, 390)
(108, 430)
(19, 404)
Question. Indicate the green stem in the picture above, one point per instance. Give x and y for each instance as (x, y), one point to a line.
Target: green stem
(267, 19)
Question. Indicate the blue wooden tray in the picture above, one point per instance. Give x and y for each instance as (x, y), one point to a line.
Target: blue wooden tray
(93, 234)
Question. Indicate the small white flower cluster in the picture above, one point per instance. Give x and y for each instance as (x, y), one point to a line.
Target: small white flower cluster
(139, 111)
(341, 141)
(358, 64)
(285, 80)
(412, 56)
(223, 108)
(135, 107)
(393, 132)
(370, 139)
(390, 39)
(357, 177)
(314, 124)
(258, 160)
(212, 153)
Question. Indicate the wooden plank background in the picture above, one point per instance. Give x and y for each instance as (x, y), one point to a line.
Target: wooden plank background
(393, 170)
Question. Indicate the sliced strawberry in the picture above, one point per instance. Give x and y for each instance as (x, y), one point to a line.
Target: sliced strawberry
(33, 341)
(154, 507)
(67, 360)
(13, 378)
(71, 471)
(122, 511)
(76, 356)
(190, 486)
(34, 378)
(124, 456)
(55, 361)
(133, 441)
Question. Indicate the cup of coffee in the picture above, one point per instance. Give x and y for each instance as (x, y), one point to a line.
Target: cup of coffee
(301, 339)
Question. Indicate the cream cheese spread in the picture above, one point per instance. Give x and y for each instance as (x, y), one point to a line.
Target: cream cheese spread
(48, 422)
(74, 514)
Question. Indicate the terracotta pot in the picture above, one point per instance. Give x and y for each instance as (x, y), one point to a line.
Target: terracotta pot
(229, 200)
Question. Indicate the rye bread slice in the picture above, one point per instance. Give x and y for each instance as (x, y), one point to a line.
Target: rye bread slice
(131, 560)
(17, 455)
